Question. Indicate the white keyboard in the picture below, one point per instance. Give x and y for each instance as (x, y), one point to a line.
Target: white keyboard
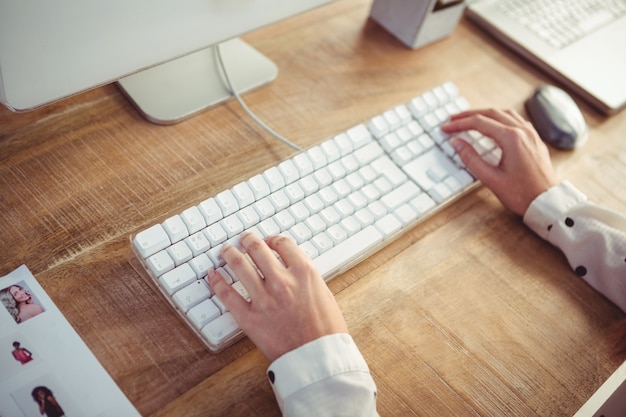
(340, 201)
(562, 22)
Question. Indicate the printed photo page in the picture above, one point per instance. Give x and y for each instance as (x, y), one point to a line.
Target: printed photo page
(45, 367)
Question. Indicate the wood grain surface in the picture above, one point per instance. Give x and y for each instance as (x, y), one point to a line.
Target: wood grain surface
(467, 314)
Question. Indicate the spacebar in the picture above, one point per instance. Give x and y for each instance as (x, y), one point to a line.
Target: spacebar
(345, 252)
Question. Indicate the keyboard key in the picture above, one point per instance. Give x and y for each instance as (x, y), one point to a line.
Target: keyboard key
(388, 225)
(359, 136)
(248, 217)
(406, 214)
(289, 171)
(368, 153)
(303, 164)
(260, 188)
(177, 278)
(316, 224)
(200, 265)
(391, 141)
(264, 208)
(403, 114)
(274, 179)
(192, 294)
(280, 200)
(220, 329)
(432, 161)
(198, 243)
(400, 195)
(193, 219)
(301, 233)
(227, 202)
(347, 251)
(175, 228)
(299, 212)
(423, 203)
(343, 144)
(313, 203)
(179, 253)
(216, 234)
(160, 263)
(336, 233)
(231, 225)
(317, 157)
(378, 126)
(330, 216)
(243, 194)
(309, 250)
(152, 240)
(203, 313)
(308, 184)
(215, 255)
(284, 220)
(350, 225)
(210, 210)
(294, 193)
(377, 209)
(322, 242)
(268, 227)
(331, 150)
(440, 192)
(389, 170)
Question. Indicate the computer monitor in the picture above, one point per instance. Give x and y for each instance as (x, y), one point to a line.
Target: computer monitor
(159, 51)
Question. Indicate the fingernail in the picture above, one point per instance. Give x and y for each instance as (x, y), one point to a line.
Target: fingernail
(457, 144)
(243, 236)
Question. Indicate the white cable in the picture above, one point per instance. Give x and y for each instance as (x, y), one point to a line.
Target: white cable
(246, 109)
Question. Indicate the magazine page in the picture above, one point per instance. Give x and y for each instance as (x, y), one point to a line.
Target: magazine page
(45, 367)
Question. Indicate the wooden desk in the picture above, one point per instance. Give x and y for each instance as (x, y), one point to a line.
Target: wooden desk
(467, 314)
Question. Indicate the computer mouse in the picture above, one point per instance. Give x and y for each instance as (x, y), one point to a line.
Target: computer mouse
(556, 117)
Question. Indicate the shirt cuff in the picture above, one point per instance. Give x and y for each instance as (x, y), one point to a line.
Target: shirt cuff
(550, 205)
(313, 362)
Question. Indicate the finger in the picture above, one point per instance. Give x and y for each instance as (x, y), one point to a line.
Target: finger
(498, 131)
(244, 270)
(467, 113)
(261, 254)
(233, 301)
(287, 249)
(495, 120)
(517, 117)
(461, 122)
(506, 117)
(474, 162)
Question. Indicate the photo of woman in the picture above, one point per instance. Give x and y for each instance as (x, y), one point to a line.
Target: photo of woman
(48, 405)
(20, 303)
(22, 355)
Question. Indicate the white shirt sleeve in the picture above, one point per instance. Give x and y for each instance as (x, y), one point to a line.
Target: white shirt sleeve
(592, 238)
(325, 377)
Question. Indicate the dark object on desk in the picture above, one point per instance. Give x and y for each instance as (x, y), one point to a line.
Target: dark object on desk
(557, 118)
(418, 23)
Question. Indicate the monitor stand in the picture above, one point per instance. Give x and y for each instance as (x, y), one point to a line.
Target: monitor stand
(172, 92)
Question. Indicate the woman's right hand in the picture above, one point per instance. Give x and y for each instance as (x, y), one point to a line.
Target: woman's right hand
(525, 169)
(290, 304)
